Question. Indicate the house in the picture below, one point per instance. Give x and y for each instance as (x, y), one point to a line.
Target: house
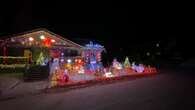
(39, 43)
(40, 46)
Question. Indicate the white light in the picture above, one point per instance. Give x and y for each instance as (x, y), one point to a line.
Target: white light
(62, 60)
(13, 40)
(93, 62)
(119, 67)
(30, 39)
(42, 37)
(108, 74)
(69, 60)
(53, 40)
(148, 53)
(56, 68)
(157, 45)
(81, 70)
(139, 69)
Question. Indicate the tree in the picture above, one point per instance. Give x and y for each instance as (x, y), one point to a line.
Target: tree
(40, 59)
(126, 63)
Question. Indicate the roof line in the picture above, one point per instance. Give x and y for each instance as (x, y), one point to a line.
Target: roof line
(62, 38)
(41, 29)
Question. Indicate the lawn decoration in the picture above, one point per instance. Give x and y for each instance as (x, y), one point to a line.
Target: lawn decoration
(92, 57)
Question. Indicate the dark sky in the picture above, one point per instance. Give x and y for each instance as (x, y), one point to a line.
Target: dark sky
(115, 24)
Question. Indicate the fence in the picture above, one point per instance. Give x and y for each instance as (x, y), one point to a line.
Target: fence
(10, 64)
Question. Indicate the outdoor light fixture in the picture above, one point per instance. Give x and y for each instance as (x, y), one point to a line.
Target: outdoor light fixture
(30, 39)
(42, 37)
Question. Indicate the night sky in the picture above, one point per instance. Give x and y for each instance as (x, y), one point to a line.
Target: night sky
(120, 27)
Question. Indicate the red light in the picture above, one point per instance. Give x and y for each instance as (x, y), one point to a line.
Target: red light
(47, 42)
(76, 67)
(79, 61)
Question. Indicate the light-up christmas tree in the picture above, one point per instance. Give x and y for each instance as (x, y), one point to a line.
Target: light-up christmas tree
(40, 59)
(126, 63)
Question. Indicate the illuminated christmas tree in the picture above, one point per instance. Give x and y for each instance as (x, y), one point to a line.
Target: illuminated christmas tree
(126, 63)
(40, 59)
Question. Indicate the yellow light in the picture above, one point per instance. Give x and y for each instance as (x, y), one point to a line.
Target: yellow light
(22, 42)
(30, 39)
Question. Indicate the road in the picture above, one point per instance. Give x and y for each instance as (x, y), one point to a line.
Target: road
(161, 92)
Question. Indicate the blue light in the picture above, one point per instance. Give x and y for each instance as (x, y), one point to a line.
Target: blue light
(94, 46)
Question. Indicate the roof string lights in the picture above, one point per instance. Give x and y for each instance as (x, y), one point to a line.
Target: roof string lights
(52, 40)
(31, 39)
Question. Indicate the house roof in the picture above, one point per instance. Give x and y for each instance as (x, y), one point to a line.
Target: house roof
(22, 35)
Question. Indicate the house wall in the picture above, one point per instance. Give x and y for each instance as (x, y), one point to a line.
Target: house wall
(1, 51)
(13, 51)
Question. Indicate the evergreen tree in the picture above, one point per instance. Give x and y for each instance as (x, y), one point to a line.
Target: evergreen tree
(40, 59)
(126, 63)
